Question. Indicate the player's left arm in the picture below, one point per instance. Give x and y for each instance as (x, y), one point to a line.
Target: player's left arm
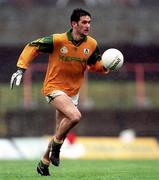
(94, 62)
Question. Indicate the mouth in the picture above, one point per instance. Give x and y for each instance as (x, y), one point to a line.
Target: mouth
(86, 31)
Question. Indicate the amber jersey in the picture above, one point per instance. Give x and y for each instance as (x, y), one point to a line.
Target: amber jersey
(68, 60)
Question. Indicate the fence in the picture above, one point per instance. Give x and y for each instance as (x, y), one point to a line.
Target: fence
(134, 85)
(139, 71)
(126, 99)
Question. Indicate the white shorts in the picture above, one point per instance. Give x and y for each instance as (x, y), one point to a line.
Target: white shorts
(56, 93)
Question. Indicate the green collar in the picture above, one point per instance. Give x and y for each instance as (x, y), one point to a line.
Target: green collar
(70, 38)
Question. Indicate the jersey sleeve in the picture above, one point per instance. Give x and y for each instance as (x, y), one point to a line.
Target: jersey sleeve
(94, 57)
(32, 49)
(44, 45)
(94, 62)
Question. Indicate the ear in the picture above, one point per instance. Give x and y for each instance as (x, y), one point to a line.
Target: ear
(73, 23)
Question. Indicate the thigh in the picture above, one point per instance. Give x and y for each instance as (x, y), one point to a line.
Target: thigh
(65, 106)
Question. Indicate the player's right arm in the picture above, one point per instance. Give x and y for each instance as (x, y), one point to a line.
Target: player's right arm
(31, 50)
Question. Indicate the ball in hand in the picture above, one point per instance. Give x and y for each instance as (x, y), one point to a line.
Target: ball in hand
(112, 59)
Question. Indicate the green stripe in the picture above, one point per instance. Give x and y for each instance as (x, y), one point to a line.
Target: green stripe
(44, 44)
(94, 57)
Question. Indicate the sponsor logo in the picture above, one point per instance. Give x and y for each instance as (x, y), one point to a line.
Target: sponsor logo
(69, 58)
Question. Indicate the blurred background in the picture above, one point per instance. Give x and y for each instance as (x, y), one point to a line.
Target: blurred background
(123, 104)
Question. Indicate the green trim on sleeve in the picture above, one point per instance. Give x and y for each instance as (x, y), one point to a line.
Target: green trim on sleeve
(44, 44)
(94, 57)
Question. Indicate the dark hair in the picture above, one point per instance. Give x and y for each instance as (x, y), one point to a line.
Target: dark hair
(77, 13)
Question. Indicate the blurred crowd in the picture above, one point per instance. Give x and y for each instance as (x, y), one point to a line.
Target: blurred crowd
(64, 3)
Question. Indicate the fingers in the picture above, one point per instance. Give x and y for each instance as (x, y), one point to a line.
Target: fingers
(18, 80)
(12, 81)
(15, 79)
(11, 85)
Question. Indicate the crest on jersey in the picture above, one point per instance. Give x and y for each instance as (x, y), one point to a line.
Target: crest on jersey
(64, 50)
(86, 51)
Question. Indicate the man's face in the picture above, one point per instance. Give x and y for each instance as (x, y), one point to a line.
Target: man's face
(83, 26)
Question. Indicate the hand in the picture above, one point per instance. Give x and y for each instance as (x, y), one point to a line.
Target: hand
(16, 78)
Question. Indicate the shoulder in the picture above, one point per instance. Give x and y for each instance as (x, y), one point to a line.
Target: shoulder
(91, 40)
(59, 37)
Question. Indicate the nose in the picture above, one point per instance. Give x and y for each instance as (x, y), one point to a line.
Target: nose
(88, 25)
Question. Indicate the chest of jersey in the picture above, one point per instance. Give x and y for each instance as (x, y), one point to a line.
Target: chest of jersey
(68, 52)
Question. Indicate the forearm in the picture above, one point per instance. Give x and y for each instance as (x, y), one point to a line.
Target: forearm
(26, 57)
(98, 67)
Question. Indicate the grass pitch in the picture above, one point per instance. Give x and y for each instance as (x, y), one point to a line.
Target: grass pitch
(83, 170)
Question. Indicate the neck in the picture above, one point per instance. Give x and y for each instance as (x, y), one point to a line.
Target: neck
(76, 36)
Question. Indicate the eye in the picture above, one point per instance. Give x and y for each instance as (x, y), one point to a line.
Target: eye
(86, 22)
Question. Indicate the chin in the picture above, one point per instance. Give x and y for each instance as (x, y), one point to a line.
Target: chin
(85, 34)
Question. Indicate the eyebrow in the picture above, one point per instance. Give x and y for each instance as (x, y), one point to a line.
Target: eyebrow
(86, 21)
